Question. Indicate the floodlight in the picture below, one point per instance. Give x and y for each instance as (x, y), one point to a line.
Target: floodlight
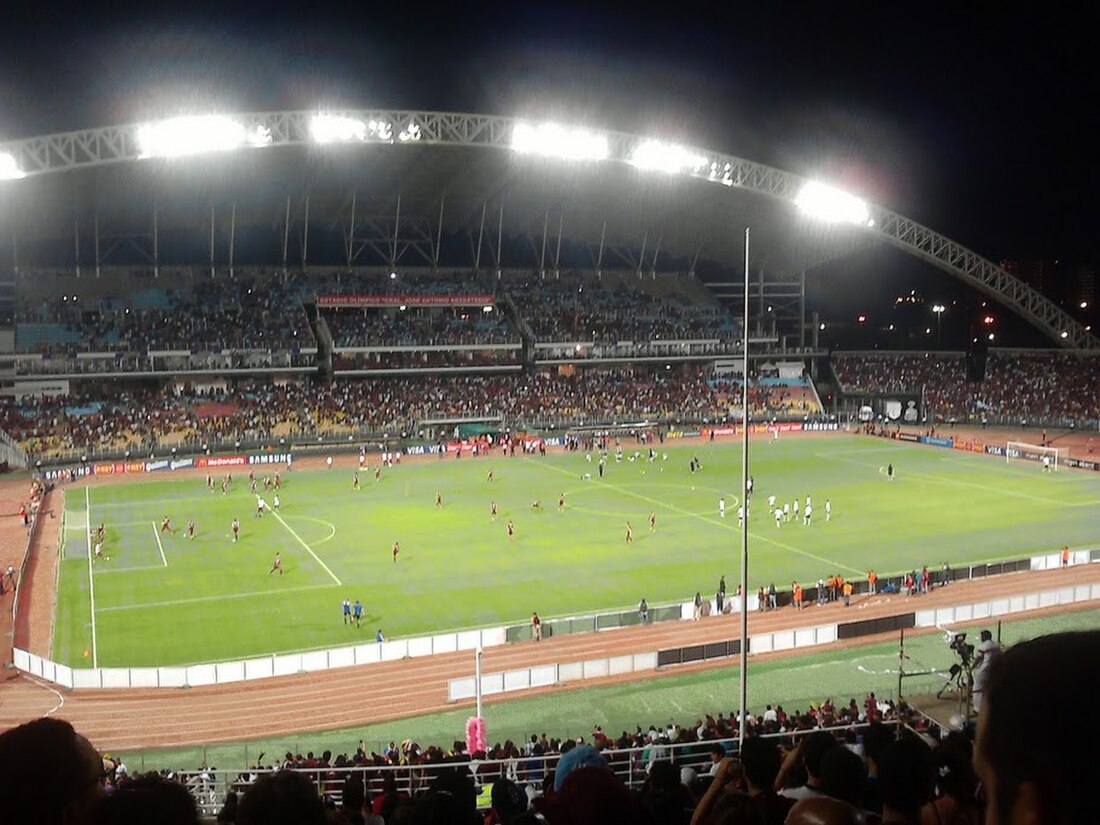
(938, 308)
(336, 129)
(1065, 334)
(9, 169)
(486, 309)
(665, 157)
(558, 141)
(1084, 305)
(192, 135)
(410, 132)
(832, 205)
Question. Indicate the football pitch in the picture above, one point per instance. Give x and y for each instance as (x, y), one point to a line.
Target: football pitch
(165, 599)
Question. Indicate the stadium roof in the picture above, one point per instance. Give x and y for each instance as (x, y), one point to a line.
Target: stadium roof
(397, 181)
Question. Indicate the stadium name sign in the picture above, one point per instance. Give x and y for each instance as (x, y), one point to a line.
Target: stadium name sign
(404, 300)
(764, 429)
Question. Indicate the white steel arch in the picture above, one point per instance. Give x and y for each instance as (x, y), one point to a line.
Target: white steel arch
(119, 144)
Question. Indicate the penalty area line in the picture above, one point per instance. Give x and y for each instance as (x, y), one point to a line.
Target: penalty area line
(223, 597)
(160, 547)
(308, 549)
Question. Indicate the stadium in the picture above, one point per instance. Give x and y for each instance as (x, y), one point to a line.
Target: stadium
(485, 378)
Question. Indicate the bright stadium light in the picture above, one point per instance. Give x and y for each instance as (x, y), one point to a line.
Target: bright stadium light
(665, 157)
(9, 169)
(194, 135)
(336, 129)
(829, 204)
(410, 132)
(558, 141)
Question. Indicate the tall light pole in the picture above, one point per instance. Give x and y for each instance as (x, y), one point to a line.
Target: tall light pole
(744, 676)
(938, 309)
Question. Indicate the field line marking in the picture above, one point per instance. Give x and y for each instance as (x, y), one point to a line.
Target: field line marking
(160, 547)
(106, 571)
(938, 479)
(223, 597)
(91, 579)
(711, 520)
(308, 549)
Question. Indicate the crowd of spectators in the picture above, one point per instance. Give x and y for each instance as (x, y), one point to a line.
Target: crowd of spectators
(1050, 387)
(583, 309)
(253, 411)
(252, 311)
(818, 767)
(464, 326)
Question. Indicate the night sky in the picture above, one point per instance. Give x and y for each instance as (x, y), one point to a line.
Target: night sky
(981, 125)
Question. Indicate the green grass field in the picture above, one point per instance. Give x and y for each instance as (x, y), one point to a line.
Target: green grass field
(792, 682)
(168, 600)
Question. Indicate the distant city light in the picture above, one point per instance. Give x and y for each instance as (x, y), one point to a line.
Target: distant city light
(938, 308)
(862, 319)
(832, 205)
(486, 309)
(665, 157)
(991, 336)
(1065, 334)
(9, 168)
(928, 330)
(891, 327)
(987, 320)
(822, 327)
(194, 135)
(1084, 305)
(553, 140)
(336, 129)
(393, 276)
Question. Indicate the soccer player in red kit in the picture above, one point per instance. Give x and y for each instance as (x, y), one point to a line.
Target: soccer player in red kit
(395, 550)
(276, 565)
(236, 527)
(166, 525)
(191, 529)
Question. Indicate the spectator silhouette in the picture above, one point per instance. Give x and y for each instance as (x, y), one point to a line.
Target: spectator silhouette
(60, 778)
(1033, 772)
(283, 798)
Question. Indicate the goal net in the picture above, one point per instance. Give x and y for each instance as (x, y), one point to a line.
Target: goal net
(1021, 450)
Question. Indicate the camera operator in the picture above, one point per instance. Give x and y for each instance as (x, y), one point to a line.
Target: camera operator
(988, 650)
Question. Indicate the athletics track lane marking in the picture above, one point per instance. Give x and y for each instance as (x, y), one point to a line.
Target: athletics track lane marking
(308, 549)
(91, 582)
(160, 547)
(201, 599)
(708, 519)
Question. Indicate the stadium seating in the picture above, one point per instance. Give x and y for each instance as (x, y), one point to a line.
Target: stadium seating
(1019, 386)
(253, 311)
(581, 308)
(101, 422)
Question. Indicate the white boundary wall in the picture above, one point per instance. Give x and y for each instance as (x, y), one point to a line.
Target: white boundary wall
(284, 664)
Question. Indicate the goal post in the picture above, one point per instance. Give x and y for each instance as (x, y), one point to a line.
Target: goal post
(1021, 450)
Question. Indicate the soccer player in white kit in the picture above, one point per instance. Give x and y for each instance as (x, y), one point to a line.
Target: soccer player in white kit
(809, 511)
(771, 502)
(828, 509)
(1046, 464)
(276, 503)
(261, 506)
(778, 516)
(722, 507)
(794, 509)
(786, 511)
(740, 516)
(328, 461)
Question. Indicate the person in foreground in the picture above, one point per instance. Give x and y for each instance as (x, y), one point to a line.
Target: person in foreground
(1033, 770)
